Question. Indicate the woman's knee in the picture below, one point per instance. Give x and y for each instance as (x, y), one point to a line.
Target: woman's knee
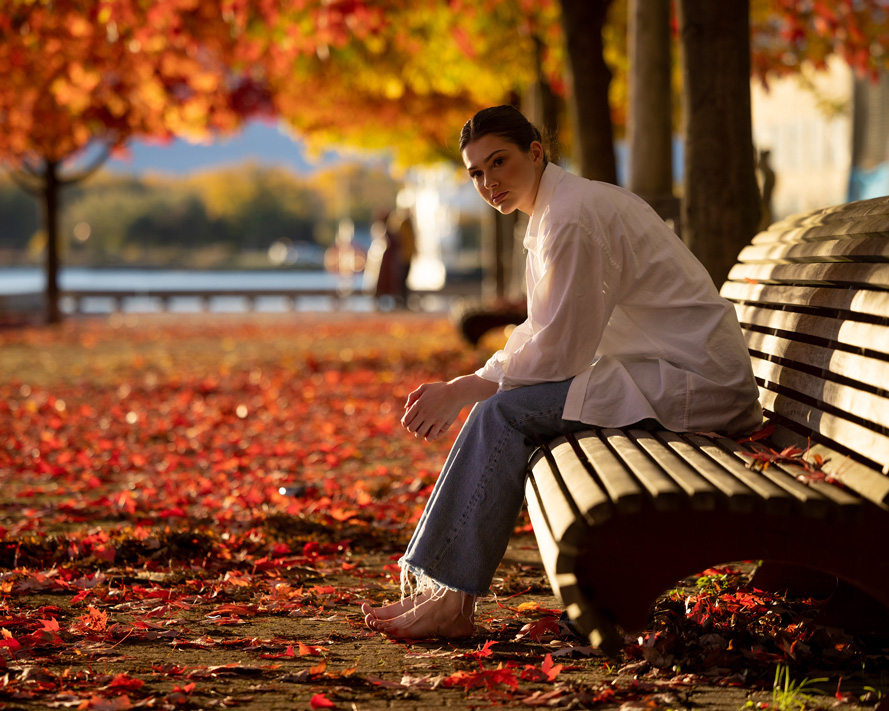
(497, 409)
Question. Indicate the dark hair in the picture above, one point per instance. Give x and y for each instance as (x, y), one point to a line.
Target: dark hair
(505, 121)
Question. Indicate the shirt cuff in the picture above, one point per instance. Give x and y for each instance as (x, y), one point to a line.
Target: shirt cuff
(493, 371)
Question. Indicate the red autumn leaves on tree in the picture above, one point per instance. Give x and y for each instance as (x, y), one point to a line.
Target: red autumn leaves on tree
(76, 71)
(788, 33)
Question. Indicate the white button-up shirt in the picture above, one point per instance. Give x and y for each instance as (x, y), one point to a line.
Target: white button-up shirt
(617, 302)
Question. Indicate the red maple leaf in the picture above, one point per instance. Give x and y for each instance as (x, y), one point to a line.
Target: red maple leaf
(487, 678)
(320, 701)
(124, 681)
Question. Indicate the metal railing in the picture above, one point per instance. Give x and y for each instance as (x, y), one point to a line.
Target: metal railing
(74, 299)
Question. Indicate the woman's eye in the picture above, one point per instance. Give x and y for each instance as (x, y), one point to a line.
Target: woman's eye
(498, 161)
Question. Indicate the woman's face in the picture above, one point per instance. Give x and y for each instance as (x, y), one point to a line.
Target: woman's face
(505, 176)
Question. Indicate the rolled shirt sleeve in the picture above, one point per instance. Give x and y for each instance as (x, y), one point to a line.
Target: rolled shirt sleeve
(569, 304)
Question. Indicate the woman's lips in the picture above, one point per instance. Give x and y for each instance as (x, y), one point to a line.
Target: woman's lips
(498, 197)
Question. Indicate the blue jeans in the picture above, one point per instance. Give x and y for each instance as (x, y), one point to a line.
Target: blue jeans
(473, 509)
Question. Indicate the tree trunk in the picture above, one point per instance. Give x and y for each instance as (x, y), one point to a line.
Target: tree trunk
(650, 118)
(582, 22)
(721, 203)
(498, 238)
(541, 105)
(51, 191)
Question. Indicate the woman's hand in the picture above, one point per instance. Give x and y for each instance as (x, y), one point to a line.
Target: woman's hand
(432, 408)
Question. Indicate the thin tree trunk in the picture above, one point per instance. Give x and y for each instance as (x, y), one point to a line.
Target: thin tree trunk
(499, 240)
(541, 105)
(650, 118)
(51, 185)
(721, 202)
(590, 77)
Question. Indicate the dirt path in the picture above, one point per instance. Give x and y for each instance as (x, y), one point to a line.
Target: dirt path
(148, 559)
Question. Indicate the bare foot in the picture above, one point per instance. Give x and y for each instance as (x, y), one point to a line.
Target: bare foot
(387, 612)
(443, 613)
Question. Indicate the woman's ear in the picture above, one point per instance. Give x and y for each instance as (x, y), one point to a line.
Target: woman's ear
(536, 151)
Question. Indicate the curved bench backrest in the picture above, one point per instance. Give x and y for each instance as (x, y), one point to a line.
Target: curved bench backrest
(812, 295)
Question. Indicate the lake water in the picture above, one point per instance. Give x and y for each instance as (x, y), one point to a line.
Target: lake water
(20, 288)
(31, 280)
(20, 280)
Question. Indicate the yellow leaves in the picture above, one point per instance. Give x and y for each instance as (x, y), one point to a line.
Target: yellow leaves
(393, 88)
(375, 44)
(85, 79)
(117, 107)
(78, 26)
(153, 43)
(74, 91)
(151, 93)
(194, 113)
(81, 134)
(205, 82)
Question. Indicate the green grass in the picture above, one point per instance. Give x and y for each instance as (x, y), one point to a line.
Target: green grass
(789, 695)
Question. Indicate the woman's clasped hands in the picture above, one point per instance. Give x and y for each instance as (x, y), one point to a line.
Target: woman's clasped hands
(432, 408)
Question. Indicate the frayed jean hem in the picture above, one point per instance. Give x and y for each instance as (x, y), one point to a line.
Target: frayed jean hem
(416, 581)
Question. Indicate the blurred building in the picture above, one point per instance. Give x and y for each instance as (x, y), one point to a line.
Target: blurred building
(827, 137)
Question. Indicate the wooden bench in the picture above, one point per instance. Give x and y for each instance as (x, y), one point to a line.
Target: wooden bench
(621, 515)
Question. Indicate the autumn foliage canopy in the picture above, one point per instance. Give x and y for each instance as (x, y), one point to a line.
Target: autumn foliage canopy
(77, 71)
(373, 72)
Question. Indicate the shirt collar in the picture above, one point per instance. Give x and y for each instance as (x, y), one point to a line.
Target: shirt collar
(548, 179)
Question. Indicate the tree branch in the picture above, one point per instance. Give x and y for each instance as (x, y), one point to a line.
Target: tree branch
(94, 165)
(27, 180)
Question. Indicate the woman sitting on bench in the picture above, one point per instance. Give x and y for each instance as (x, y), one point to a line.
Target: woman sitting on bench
(624, 325)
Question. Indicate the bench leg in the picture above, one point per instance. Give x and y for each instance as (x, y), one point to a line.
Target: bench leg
(629, 561)
(847, 607)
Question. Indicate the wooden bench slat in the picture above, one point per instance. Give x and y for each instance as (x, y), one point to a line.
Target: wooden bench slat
(821, 231)
(583, 492)
(562, 517)
(777, 500)
(826, 499)
(868, 336)
(664, 492)
(701, 493)
(853, 301)
(546, 543)
(869, 483)
(851, 212)
(559, 563)
(826, 393)
(851, 273)
(867, 247)
(622, 488)
(863, 481)
(839, 363)
(739, 497)
(846, 505)
(813, 502)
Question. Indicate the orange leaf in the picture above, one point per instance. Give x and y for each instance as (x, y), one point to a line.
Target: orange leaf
(308, 650)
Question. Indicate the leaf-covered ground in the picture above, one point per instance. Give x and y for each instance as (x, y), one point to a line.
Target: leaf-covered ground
(149, 559)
